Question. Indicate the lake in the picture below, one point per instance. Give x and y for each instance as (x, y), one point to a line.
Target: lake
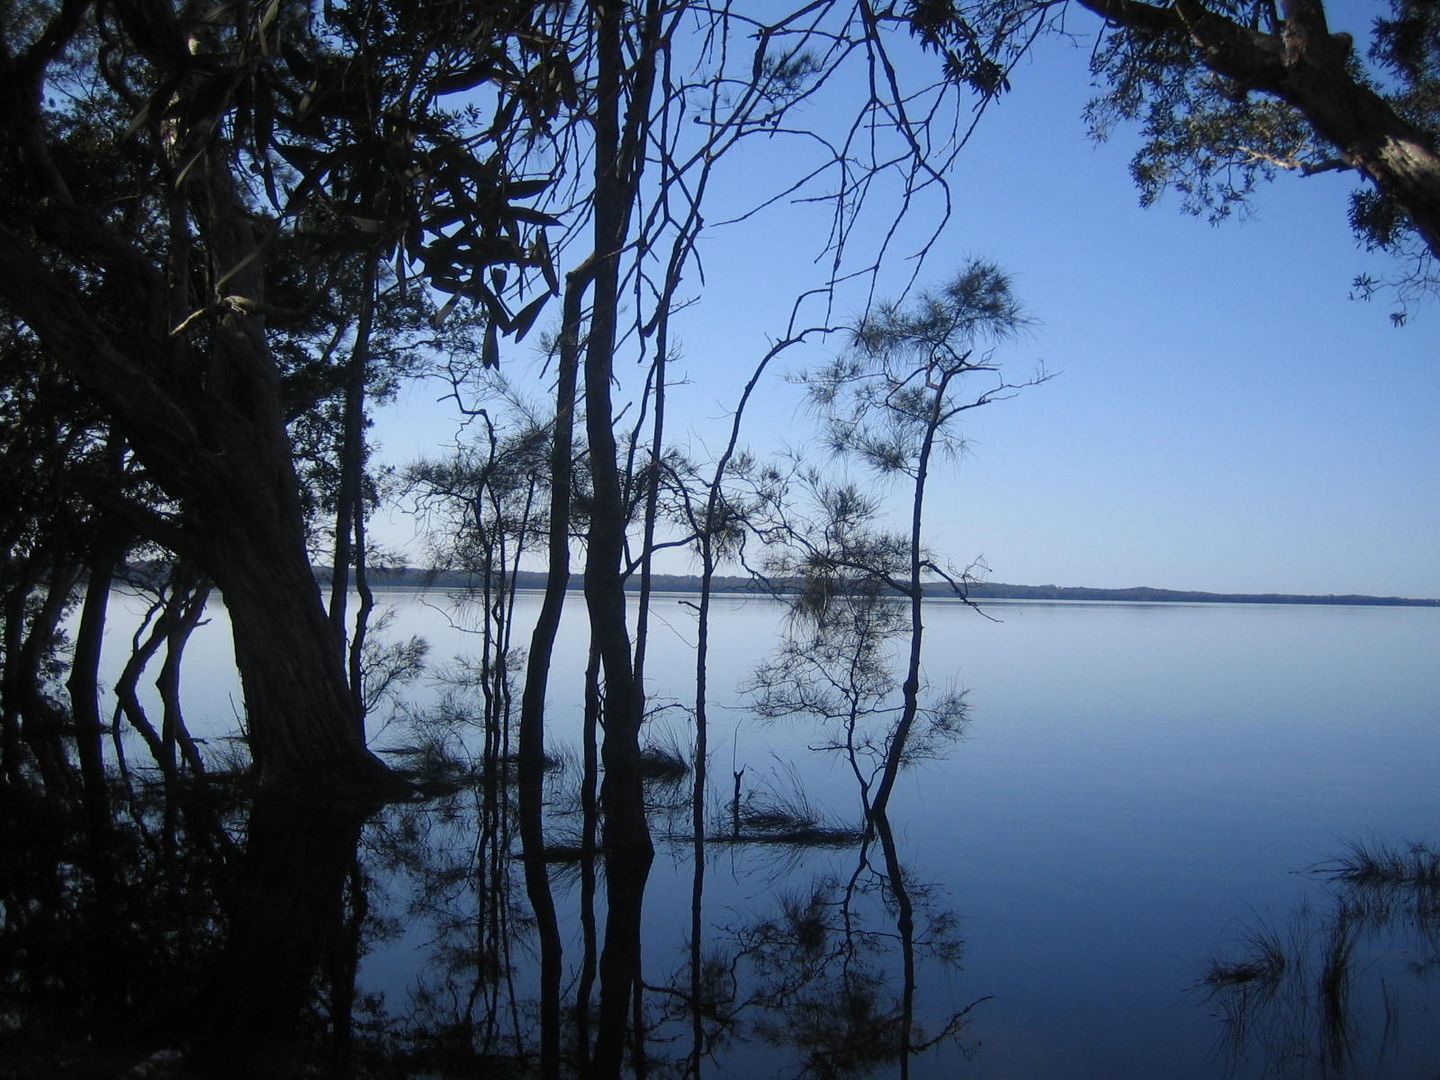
(1123, 868)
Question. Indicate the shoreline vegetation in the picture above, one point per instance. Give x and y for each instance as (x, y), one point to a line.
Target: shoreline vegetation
(415, 578)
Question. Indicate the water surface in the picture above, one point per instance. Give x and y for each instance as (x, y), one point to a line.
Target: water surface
(1142, 790)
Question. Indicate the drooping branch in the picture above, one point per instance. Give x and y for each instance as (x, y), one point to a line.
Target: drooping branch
(1306, 66)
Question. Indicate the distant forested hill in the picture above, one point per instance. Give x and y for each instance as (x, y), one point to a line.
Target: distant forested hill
(407, 577)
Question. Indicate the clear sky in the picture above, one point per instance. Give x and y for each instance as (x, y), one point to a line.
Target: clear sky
(1224, 417)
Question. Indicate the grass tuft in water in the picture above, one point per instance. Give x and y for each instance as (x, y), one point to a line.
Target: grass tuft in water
(1261, 967)
(663, 761)
(1372, 866)
(785, 815)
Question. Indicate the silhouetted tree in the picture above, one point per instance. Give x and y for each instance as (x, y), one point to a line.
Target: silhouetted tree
(892, 403)
(238, 140)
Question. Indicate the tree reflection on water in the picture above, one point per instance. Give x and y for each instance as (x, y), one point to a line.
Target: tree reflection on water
(270, 938)
(204, 933)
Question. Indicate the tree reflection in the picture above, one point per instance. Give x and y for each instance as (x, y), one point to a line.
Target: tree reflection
(286, 915)
(827, 979)
(202, 959)
(847, 1016)
(271, 938)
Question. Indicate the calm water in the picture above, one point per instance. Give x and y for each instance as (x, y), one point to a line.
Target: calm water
(1142, 790)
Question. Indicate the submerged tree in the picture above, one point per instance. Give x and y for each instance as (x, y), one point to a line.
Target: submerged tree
(890, 404)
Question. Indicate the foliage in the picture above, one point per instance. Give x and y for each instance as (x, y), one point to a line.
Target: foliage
(839, 664)
(1204, 138)
(852, 657)
(1228, 94)
(1211, 134)
(886, 401)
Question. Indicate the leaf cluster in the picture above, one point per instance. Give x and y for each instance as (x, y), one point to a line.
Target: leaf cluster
(895, 391)
(1205, 137)
(365, 126)
(1213, 140)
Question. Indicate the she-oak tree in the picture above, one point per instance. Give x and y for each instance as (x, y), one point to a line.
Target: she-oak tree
(440, 137)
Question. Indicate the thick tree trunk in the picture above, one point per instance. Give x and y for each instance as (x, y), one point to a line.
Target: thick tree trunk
(302, 728)
(225, 456)
(1396, 157)
(209, 425)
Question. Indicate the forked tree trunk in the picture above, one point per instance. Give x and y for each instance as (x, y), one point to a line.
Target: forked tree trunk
(621, 790)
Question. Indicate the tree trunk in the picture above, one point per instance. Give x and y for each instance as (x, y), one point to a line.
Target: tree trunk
(557, 579)
(301, 716)
(14, 638)
(531, 753)
(1396, 157)
(910, 707)
(189, 609)
(211, 432)
(84, 687)
(41, 721)
(350, 500)
(175, 618)
(621, 791)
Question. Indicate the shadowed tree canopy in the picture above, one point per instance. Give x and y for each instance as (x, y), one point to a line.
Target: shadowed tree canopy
(1230, 92)
(184, 186)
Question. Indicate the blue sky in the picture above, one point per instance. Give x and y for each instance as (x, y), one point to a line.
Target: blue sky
(1223, 416)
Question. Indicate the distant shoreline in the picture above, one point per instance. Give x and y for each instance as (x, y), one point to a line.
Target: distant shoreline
(411, 578)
